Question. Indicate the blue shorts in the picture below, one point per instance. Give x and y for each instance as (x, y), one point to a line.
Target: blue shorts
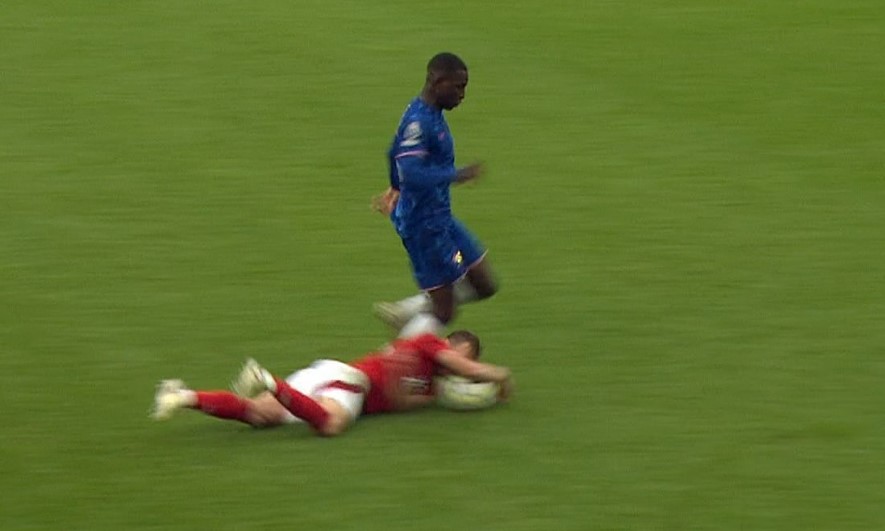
(441, 258)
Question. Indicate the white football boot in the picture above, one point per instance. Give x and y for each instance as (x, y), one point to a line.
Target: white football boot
(171, 396)
(253, 380)
(391, 314)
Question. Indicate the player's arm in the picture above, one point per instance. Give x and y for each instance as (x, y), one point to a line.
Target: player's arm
(413, 166)
(472, 370)
(438, 351)
(392, 175)
(416, 172)
(385, 202)
(469, 173)
(477, 371)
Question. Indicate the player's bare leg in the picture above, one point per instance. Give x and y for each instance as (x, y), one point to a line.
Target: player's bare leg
(481, 279)
(174, 395)
(442, 302)
(265, 411)
(397, 314)
(324, 415)
(478, 284)
(339, 419)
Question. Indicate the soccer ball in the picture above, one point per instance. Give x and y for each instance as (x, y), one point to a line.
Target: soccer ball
(455, 392)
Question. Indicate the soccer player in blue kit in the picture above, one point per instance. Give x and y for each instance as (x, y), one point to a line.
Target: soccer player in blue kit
(448, 262)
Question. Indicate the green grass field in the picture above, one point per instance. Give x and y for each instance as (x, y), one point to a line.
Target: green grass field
(685, 204)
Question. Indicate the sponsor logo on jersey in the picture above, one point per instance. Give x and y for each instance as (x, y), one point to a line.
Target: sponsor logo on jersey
(414, 385)
(411, 135)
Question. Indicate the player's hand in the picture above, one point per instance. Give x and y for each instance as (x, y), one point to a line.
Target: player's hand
(505, 390)
(385, 202)
(469, 173)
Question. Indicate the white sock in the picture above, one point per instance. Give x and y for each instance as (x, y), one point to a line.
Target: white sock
(422, 323)
(188, 397)
(464, 291)
(268, 380)
(415, 304)
(412, 306)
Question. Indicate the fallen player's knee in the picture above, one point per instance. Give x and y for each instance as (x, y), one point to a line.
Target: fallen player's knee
(261, 419)
(334, 425)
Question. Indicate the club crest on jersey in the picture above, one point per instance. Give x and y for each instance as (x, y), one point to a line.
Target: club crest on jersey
(412, 135)
(414, 385)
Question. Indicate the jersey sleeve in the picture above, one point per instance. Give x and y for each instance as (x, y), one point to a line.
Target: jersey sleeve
(429, 346)
(411, 162)
(393, 174)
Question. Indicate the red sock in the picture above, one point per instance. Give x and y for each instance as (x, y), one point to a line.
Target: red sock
(223, 404)
(301, 405)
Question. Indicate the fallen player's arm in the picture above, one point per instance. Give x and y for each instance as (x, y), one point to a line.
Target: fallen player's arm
(478, 371)
(472, 370)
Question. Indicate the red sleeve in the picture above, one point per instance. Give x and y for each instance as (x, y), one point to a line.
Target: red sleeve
(429, 345)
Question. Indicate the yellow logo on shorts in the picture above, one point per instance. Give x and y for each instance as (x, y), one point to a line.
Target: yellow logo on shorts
(458, 258)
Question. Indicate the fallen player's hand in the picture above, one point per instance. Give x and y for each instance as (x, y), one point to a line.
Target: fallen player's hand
(385, 202)
(505, 390)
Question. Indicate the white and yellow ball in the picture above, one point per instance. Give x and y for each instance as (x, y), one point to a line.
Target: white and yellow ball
(455, 392)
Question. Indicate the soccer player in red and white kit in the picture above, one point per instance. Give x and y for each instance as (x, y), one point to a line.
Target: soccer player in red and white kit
(330, 395)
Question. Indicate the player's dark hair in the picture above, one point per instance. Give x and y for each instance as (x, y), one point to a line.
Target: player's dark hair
(460, 336)
(445, 63)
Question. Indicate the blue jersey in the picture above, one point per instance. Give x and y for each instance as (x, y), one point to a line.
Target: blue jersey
(422, 167)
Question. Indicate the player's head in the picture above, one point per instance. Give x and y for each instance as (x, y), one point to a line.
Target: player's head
(465, 342)
(446, 80)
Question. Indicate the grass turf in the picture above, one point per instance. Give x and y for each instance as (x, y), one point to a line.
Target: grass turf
(684, 204)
